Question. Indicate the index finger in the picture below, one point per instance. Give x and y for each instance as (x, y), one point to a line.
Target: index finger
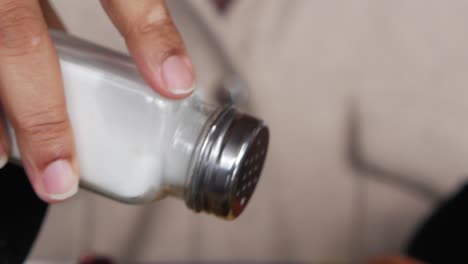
(32, 95)
(155, 44)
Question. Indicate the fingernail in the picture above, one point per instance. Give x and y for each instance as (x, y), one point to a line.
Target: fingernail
(59, 180)
(178, 75)
(3, 157)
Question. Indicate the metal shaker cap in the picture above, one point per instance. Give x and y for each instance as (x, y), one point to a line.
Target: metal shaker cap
(228, 166)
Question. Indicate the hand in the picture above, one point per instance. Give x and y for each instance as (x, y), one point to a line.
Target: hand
(31, 89)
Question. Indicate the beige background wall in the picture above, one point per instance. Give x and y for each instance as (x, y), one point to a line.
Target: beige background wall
(397, 68)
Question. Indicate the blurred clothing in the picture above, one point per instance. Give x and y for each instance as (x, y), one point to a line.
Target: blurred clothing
(444, 235)
(22, 213)
(366, 103)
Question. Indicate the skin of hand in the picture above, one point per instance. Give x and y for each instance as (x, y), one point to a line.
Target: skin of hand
(31, 88)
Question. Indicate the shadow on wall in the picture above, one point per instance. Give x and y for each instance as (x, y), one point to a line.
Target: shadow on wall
(366, 171)
(359, 164)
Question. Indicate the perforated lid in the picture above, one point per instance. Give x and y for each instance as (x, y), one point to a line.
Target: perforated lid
(229, 164)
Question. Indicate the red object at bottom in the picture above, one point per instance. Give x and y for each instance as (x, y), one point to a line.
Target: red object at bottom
(91, 259)
(222, 5)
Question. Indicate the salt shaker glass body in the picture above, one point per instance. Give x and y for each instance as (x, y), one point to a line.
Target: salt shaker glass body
(136, 146)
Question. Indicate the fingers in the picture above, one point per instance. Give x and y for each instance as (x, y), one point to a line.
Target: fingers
(155, 45)
(33, 98)
(4, 143)
(50, 16)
